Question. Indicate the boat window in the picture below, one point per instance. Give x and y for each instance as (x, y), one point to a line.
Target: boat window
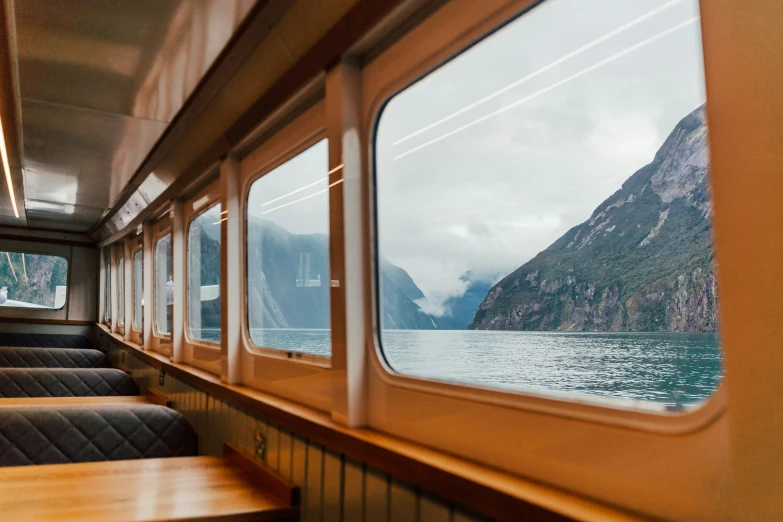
(288, 255)
(121, 292)
(138, 274)
(204, 276)
(32, 280)
(164, 285)
(108, 291)
(544, 221)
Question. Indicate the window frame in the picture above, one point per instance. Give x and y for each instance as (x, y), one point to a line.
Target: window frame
(308, 375)
(503, 419)
(107, 298)
(135, 246)
(160, 342)
(202, 354)
(121, 293)
(15, 247)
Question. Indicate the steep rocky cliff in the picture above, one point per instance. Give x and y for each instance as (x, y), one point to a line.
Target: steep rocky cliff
(643, 261)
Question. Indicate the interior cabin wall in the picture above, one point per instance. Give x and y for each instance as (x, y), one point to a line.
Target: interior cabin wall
(335, 487)
(81, 302)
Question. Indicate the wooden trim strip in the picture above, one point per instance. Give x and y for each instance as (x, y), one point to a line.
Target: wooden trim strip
(48, 240)
(265, 477)
(35, 320)
(493, 493)
(72, 402)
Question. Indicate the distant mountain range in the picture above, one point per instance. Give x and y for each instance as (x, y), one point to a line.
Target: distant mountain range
(292, 288)
(644, 261)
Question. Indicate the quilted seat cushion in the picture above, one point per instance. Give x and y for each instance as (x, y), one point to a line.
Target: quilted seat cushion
(90, 434)
(65, 382)
(34, 340)
(52, 358)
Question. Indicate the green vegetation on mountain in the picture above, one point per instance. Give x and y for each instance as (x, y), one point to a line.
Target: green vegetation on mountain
(34, 279)
(644, 261)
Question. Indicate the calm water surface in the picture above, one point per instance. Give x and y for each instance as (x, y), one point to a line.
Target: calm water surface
(672, 369)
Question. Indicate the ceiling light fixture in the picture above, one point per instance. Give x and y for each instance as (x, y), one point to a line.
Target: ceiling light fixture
(7, 169)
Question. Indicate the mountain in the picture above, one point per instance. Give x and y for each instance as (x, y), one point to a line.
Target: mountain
(644, 261)
(292, 288)
(399, 293)
(461, 310)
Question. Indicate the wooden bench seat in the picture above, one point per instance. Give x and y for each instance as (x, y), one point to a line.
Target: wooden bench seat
(181, 488)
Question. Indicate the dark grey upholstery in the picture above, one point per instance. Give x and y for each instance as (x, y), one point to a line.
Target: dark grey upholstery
(52, 358)
(34, 340)
(52, 436)
(65, 382)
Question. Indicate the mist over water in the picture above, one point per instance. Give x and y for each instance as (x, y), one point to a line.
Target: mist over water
(670, 369)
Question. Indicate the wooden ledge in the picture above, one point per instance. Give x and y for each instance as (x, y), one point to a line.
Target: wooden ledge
(494, 493)
(159, 398)
(68, 402)
(262, 474)
(179, 488)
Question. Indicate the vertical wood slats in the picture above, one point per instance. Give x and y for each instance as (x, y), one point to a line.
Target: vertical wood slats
(335, 488)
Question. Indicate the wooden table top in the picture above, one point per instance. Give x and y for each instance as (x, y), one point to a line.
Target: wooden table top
(182, 488)
(64, 402)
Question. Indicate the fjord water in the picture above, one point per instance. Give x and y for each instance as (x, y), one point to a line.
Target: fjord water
(670, 369)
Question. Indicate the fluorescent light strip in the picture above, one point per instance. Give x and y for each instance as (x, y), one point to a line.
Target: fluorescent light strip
(7, 169)
(551, 87)
(304, 198)
(576, 52)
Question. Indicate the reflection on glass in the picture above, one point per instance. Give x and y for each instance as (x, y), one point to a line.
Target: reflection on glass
(32, 280)
(544, 213)
(138, 281)
(288, 255)
(121, 292)
(164, 285)
(108, 291)
(204, 276)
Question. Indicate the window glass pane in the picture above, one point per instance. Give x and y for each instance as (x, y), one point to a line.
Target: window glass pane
(108, 291)
(121, 292)
(138, 275)
(32, 280)
(164, 285)
(544, 213)
(204, 276)
(288, 255)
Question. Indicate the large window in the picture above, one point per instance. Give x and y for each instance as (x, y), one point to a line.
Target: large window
(32, 280)
(138, 295)
(121, 292)
(288, 255)
(164, 285)
(204, 276)
(107, 297)
(544, 219)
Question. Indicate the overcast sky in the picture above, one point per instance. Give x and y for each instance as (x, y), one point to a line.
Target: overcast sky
(488, 189)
